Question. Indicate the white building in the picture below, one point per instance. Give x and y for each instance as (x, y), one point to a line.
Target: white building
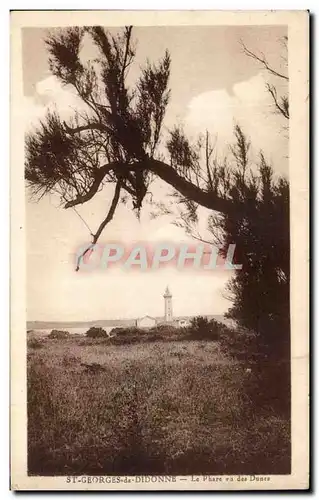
(168, 310)
(149, 321)
(146, 322)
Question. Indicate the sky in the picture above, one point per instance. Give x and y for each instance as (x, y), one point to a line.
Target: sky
(213, 86)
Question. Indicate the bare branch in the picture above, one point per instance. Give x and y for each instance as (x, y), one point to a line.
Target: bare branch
(263, 61)
(208, 152)
(162, 170)
(104, 223)
(128, 33)
(111, 211)
(99, 176)
(187, 188)
(83, 128)
(283, 108)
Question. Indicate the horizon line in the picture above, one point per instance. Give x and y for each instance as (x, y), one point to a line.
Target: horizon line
(120, 319)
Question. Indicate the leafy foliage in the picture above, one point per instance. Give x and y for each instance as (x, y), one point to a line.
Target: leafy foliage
(202, 328)
(257, 221)
(96, 332)
(34, 343)
(260, 228)
(56, 160)
(119, 125)
(116, 140)
(58, 334)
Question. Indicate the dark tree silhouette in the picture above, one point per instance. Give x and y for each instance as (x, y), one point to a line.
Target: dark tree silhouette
(258, 222)
(260, 228)
(281, 102)
(118, 139)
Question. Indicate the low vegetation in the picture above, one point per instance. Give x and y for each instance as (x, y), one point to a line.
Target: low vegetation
(169, 406)
(96, 333)
(34, 343)
(58, 334)
(200, 328)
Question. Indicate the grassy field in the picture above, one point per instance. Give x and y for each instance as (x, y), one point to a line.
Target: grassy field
(149, 408)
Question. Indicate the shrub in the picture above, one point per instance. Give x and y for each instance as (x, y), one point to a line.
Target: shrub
(58, 334)
(117, 331)
(96, 332)
(164, 330)
(203, 329)
(240, 343)
(270, 384)
(34, 344)
(126, 340)
(130, 330)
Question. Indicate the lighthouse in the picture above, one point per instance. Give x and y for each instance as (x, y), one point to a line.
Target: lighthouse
(168, 314)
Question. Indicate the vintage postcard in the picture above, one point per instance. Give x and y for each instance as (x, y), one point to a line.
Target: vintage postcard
(159, 250)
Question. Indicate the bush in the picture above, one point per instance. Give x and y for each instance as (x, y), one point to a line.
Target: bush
(34, 344)
(118, 330)
(58, 334)
(134, 335)
(130, 339)
(130, 330)
(164, 330)
(270, 384)
(240, 343)
(203, 329)
(96, 333)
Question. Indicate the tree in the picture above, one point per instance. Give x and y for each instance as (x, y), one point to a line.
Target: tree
(118, 140)
(281, 102)
(258, 222)
(260, 227)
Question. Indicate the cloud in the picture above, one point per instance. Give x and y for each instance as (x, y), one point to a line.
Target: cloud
(56, 291)
(251, 107)
(51, 95)
(32, 112)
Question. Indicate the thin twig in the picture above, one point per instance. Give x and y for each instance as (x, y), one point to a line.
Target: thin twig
(263, 61)
(102, 226)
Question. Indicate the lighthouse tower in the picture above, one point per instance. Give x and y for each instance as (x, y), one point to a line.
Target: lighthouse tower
(168, 306)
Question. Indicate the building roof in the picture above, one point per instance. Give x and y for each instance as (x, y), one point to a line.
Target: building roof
(146, 316)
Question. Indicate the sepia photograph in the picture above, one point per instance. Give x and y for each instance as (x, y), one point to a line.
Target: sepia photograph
(158, 244)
